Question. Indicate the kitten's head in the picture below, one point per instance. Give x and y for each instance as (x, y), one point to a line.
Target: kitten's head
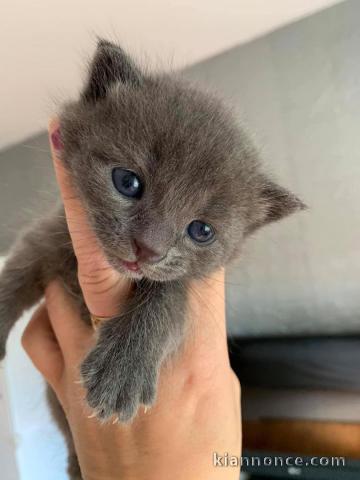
(171, 184)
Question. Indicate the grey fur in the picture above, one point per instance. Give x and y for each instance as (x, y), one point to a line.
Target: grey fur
(196, 163)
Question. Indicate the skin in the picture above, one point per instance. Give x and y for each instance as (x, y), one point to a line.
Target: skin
(197, 411)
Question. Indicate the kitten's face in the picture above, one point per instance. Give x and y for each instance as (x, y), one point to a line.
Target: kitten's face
(170, 183)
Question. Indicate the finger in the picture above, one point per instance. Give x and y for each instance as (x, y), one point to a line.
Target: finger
(202, 364)
(103, 287)
(207, 301)
(40, 343)
(82, 236)
(74, 336)
(206, 341)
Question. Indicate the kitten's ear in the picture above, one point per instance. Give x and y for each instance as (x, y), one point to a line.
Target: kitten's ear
(109, 65)
(277, 202)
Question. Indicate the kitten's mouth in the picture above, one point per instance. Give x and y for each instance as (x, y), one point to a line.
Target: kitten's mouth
(132, 270)
(131, 266)
(138, 270)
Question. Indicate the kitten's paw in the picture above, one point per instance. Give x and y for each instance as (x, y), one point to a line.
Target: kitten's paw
(118, 385)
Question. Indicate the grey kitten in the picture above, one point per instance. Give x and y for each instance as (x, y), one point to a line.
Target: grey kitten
(172, 188)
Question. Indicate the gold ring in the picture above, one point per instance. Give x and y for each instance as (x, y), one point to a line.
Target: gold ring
(97, 321)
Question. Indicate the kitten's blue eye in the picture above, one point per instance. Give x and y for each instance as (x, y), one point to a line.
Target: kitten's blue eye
(201, 232)
(127, 183)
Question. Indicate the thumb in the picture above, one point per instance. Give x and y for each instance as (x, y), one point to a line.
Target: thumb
(102, 286)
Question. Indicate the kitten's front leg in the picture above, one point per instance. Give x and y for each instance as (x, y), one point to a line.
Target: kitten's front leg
(21, 285)
(40, 254)
(121, 372)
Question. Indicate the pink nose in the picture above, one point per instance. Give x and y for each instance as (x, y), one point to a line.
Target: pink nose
(145, 253)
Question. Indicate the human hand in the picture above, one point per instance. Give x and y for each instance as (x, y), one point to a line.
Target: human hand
(199, 385)
(198, 407)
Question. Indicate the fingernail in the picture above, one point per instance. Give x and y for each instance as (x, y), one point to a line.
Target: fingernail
(56, 139)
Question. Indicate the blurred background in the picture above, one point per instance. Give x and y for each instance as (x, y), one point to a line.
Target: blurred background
(290, 68)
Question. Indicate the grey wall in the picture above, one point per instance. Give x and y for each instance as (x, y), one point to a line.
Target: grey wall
(298, 90)
(27, 186)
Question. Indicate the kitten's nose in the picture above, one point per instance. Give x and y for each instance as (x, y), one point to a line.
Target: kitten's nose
(145, 253)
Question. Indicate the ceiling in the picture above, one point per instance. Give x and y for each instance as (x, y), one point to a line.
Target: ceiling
(43, 43)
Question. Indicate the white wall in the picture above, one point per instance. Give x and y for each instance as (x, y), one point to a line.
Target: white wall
(43, 43)
(7, 439)
(31, 447)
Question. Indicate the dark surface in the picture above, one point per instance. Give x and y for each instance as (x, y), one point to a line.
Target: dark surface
(302, 362)
(351, 470)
